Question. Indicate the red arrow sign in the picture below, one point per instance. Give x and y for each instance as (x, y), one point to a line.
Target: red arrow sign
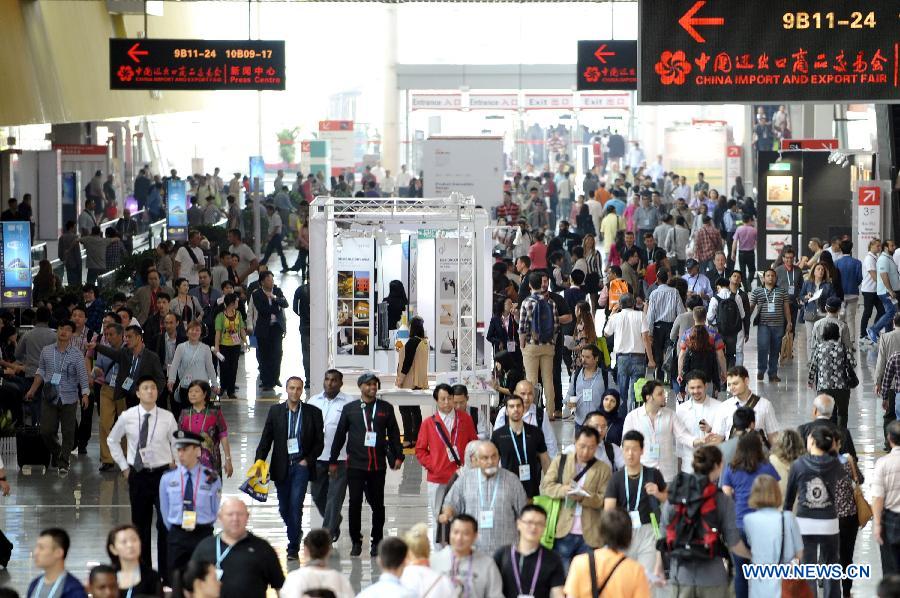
(687, 21)
(600, 54)
(133, 53)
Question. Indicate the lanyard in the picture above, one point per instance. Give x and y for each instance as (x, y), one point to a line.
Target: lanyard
(329, 403)
(294, 423)
(637, 499)
(523, 459)
(40, 586)
(651, 427)
(191, 420)
(454, 568)
(766, 294)
(537, 569)
(790, 279)
(58, 367)
(370, 427)
(481, 498)
(196, 486)
(220, 556)
(135, 360)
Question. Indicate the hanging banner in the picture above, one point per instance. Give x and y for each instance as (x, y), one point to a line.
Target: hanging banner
(176, 211)
(869, 198)
(354, 263)
(733, 165)
(446, 302)
(16, 263)
(341, 135)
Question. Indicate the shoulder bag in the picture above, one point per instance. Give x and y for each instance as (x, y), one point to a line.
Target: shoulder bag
(863, 509)
(596, 591)
(852, 378)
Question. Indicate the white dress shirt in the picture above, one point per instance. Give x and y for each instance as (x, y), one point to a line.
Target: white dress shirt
(690, 413)
(331, 414)
(661, 435)
(626, 326)
(765, 416)
(530, 417)
(161, 425)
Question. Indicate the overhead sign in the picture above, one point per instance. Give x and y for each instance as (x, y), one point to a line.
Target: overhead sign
(607, 64)
(869, 197)
(196, 64)
(699, 51)
(15, 260)
(809, 144)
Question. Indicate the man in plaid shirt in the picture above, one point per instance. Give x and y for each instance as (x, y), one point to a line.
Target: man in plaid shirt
(538, 356)
(707, 242)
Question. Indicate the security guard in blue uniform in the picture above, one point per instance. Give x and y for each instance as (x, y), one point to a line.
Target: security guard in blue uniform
(189, 497)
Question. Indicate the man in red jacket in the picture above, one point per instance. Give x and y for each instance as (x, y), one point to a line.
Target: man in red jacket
(441, 444)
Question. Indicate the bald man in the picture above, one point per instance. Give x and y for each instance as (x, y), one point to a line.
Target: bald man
(534, 416)
(246, 564)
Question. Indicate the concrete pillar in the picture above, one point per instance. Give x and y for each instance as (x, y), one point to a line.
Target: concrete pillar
(390, 138)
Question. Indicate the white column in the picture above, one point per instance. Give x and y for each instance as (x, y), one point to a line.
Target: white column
(390, 139)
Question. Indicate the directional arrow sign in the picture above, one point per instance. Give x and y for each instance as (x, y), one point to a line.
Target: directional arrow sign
(133, 53)
(688, 20)
(601, 55)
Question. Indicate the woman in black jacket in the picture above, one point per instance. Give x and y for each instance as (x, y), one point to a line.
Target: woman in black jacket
(503, 331)
(123, 544)
(397, 303)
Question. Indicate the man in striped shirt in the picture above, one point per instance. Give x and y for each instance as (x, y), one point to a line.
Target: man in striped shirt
(663, 306)
(774, 323)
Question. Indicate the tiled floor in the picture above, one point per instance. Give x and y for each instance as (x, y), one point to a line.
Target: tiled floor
(88, 504)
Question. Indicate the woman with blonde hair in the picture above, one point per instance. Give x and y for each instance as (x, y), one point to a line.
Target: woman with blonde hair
(789, 448)
(773, 535)
(418, 576)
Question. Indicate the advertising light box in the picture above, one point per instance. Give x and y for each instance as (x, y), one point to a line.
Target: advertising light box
(699, 51)
(607, 65)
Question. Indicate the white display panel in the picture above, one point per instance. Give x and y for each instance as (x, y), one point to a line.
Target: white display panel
(467, 165)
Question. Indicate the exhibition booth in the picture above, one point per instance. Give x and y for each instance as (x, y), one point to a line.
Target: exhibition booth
(435, 247)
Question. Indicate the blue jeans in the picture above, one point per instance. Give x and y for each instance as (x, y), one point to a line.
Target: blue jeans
(741, 587)
(291, 494)
(886, 321)
(569, 547)
(629, 367)
(768, 347)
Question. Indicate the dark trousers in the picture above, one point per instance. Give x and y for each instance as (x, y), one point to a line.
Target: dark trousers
(371, 485)
(823, 550)
(93, 274)
(328, 495)
(890, 549)
(870, 300)
(73, 276)
(661, 332)
(412, 419)
(301, 262)
(291, 495)
(741, 586)
(274, 246)
(86, 421)
(747, 267)
(849, 528)
(268, 353)
(889, 414)
(55, 416)
(841, 396)
(229, 368)
(557, 371)
(570, 546)
(304, 344)
(143, 493)
(731, 348)
(182, 544)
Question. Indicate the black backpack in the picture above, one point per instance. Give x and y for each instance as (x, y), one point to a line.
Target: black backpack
(543, 325)
(728, 318)
(694, 533)
(703, 361)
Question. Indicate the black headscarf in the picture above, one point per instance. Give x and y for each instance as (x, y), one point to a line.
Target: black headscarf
(613, 420)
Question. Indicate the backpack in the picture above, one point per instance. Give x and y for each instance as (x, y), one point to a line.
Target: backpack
(704, 362)
(617, 288)
(728, 318)
(693, 534)
(542, 321)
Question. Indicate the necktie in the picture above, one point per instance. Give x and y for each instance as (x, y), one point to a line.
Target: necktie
(142, 442)
(189, 494)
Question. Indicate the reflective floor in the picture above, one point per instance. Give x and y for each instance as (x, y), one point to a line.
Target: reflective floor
(88, 503)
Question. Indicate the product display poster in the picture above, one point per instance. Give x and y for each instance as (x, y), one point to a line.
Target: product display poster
(774, 245)
(16, 259)
(176, 211)
(778, 217)
(354, 263)
(779, 189)
(467, 165)
(257, 171)
(447, 304)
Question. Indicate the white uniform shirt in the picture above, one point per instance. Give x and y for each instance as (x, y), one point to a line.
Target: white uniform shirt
(530, 417)
(765, 416)
(626, 326)
(331, 414)
(660, 438)
(690, 413)
(161, 426)
(189, 270)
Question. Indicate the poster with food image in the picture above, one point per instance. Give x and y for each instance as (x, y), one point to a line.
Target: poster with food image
(360, 341)
(774, 244)
(361, 313)
(345, 341)
(780, 189)
(345, 312)
(345, 284)
(778, 217)
(361, 285)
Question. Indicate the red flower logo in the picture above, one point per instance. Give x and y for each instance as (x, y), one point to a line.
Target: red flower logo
(592, 74)
(673, 67)
(125, 73)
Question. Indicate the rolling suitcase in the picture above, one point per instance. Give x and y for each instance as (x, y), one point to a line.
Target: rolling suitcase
(30, 447)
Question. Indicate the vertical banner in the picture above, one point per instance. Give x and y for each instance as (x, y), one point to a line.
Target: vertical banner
(355, 266)
(176, 211)
(15, 287)
(70, 187)
(258, 170)
(446, 295)
(340, 134)
(732, 166)
(869, 198)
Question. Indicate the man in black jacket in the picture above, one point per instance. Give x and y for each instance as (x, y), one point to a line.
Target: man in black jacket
(135, 361)
(269, 329)
(294, 431)
(823, 407)
(372, 435)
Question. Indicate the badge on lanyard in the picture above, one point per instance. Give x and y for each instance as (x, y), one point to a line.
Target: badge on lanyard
(635, 519)
(145, 455)
(511, 346)
(370, 439)
(293, 446)
(127, 383)
(790, 289)
(525, 472)
(56, 379)
(188, 520)
(219, 574)
(653, 451)
(486, 520)
(587, 395)
(771, 307)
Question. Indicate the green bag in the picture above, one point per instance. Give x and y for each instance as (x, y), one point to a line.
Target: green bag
(552, 506)
(638, 386)
(604, 350)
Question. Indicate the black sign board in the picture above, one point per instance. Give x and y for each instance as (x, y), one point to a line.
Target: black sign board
(607, 64)
(195, 64)
(702, 51)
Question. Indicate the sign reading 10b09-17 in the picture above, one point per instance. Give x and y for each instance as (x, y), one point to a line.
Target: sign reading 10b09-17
(701, 51)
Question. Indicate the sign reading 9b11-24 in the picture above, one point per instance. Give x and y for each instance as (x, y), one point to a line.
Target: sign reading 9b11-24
(701, 51)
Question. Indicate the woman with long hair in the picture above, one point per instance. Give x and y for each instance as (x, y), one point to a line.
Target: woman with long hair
(749, 462)
(584, 224)
(185, 305)
(829, 363)
(737, 190)
(700, 354)
(813, 295)
(834, 275)
(123, 545)
(231, 338)
(412, 372)
(585, 331)
(593, 262)
(45, 282)
(209, 422)
(788, 449)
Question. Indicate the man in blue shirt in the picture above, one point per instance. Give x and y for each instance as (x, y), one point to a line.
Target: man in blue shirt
(851, 277)
(189, 497)
(887, 281)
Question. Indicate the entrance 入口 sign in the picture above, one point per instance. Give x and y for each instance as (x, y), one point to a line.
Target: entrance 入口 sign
(607, 64)
(708, 51)
(196, 64)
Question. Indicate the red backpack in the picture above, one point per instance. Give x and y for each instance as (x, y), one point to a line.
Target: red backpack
(695, 531)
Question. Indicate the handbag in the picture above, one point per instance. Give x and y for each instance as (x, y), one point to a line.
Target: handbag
(863, 509)
(552, 506)
(852, 378)
(787, 347)
(795, 588)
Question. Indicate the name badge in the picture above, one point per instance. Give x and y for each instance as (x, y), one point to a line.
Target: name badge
(510, 346)
(56, 379)
(486, 520)
(145, 456)
(235, 338)
(525, 473)
(188, 520)
(653, 452)
(635, 519)
(127, 383)
(771, 307)
(293, 446)
(790, 289)
(370, 439)
(587, 395)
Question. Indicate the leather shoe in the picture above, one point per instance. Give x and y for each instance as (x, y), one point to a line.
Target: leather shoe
(774, 379)
(760, 375)
(356, 550)
(104, 467)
